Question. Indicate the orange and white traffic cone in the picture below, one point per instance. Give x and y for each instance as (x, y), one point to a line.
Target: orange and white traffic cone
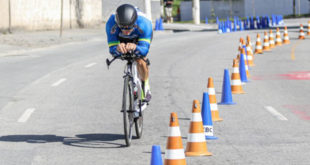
(241, 41)
(278, 38)
(196, 139)
(249, 53)
(248, 40)
(258, 48)
(301, 32)
(266, 42)
(308, 28)
(174, 150)
(240, 45)
(286, 39)
(213, 103)
(271, 39)
(236, 87)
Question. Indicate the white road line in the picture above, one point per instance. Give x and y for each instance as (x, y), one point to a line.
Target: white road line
(90, 65)
(275, 113)
(26, 115)
(59, 82)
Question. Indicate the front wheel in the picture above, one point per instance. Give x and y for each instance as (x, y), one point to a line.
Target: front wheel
(127, 109)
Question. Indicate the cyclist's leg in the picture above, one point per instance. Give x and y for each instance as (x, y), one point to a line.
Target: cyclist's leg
(143, 71)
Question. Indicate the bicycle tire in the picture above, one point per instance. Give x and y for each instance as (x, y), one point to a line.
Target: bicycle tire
(127, 105)
(139, 125)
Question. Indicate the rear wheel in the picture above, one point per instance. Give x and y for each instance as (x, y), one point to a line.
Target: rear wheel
(139, 125)
(127, 109)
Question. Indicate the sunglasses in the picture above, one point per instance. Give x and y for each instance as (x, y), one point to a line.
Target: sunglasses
(126, 27)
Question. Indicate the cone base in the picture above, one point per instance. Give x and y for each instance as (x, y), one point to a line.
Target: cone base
(211, 138)
(228, 103)
(217, 119)
(198, 154)
(237, 92)
(244, 81)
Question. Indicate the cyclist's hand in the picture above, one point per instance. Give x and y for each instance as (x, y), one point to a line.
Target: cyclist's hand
(131, 46)
(122, 48)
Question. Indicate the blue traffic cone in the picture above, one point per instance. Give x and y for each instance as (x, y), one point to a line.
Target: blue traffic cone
(220, 30)
(258, 23)
(242, 70)
(206, 117)
(252, 23)
(161, 27)
(246, 57)
(156, 25)
(226, 90)
(156, 156)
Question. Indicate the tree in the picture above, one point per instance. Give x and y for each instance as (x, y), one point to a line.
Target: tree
(294, 7)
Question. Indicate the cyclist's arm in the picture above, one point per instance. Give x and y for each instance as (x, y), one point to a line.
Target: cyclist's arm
(144, 39)
(112, 32)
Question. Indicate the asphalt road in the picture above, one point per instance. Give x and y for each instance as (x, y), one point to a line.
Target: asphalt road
(61, 105)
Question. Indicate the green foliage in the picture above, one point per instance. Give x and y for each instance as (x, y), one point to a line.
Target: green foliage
(175, 6)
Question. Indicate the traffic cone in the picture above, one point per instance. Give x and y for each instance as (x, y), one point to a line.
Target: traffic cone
(174, 150)
(196, 140)
(249, 53)
(156, 25)
(301, 32)
(308, 28)
(226, 89)
(278, 38)
(245, 62)
(258, 48)
(213, 103)
(271, 39)
(240, 44)
(248, 40)
(286, 39)
(236, 87)
(266, 42)
(156, 158)
(242, 70)
(206, 117)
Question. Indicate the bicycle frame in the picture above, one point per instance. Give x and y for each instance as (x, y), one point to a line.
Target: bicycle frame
(131, 72)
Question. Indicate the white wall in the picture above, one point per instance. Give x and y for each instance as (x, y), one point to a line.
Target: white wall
(221, 9)
(282, 7)
(243, 8)
(45, 14)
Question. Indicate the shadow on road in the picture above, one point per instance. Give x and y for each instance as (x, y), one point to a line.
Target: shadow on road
(81, 140)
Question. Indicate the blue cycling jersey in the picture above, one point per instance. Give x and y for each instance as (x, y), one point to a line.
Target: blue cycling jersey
(141, 35)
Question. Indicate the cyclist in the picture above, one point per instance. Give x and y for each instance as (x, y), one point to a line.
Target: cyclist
(130, 30)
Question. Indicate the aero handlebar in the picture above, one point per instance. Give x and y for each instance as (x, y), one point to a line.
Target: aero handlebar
(127, 56)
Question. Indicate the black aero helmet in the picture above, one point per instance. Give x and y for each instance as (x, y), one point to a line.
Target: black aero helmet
(126, 16)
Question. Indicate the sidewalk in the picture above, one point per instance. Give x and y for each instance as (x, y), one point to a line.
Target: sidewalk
(24, 41)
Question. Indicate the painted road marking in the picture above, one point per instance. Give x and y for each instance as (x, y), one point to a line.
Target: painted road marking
(90, 65)
(275, 113)
(293, 50)
(26, 115)
(59, 82)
